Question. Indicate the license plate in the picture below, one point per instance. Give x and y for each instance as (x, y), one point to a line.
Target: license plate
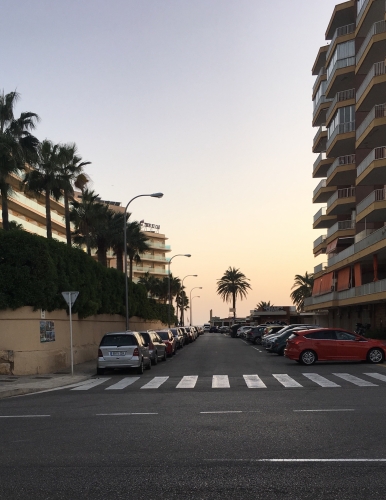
(117, 353)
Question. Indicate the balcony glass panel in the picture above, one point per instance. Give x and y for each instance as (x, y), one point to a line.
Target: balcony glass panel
(376, 195)
(320, 240)
(378, 111)
(343, 30)
(320, 213)
(341, 193)
(376, 154)
(376, 28)
(378, 69)
(341, 160)
(342, 53)
(340, 226)
(321, 185)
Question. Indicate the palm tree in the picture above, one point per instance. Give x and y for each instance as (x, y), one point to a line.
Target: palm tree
(233, 284)
(117, 242)
(182, 304)
(72, 174)
(304, 285)
(83, 214)
(136, 245)
(17, 146)
(45, 177)
(262, 305)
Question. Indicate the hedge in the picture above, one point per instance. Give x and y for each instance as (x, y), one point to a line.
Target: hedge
(34, 271)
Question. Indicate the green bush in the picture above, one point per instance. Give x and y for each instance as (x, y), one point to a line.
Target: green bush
(34, 271)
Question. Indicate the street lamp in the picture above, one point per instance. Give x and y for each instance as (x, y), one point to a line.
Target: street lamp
(182, 305)
(195, 297)
(190, 295)
(177, 255)
(154, 195)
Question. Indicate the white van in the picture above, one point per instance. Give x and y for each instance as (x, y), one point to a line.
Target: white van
(206, 327)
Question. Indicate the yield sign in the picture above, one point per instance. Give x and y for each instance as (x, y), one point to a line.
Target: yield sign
(70, 297)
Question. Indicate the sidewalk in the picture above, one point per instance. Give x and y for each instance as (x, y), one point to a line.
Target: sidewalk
(17, 385)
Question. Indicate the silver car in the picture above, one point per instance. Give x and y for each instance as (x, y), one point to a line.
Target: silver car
(123, 350)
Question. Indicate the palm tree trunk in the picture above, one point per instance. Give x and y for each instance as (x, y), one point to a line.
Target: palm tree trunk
(4, 208)
(67, 218)
(119, 257)
(48, 214)
(234, 305)
(101, 254)
(130, 269)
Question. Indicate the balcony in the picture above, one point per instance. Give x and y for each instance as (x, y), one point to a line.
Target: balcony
(320, 110)
(369, 11)
(150, 270)
(341, 202)
(344, 13)
(340, 35)
(321, 76)
(373, 47)
(156, 258)
(320, 245)
(341, 99)
(320, 60)
(342, 140)
(321, 165)
(320, 267)
(321, 220)
(373, 207)
(322, 193)
(372, 131)
(372, 170)
(342, 229)
(159, 246)
(320, 139)
(342, 172)
(341, 76)
(372, 87)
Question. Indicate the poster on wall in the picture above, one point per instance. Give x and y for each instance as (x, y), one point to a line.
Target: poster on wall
(47, 331)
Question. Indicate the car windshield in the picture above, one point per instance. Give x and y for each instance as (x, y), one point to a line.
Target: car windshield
(118, 340)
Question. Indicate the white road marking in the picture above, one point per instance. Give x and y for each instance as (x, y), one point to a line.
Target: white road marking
(254, 382)
(318, 379)
(378, 376)
(233, 411)
(155, 383)
(90, 384)
(286, 380)
(332, 409)
(187, 382)
(220, 382)
(256, 349)
(122, 383)
(122, 414)
(355, 380)
(23, 416)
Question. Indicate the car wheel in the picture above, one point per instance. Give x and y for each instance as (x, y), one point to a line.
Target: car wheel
(148, 367)
(257, 341)
(140, 368)
(307, 358)
(100, 371)
(155, 360)
(375, 355)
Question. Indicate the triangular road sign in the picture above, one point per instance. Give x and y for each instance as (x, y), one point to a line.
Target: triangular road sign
(70, 297)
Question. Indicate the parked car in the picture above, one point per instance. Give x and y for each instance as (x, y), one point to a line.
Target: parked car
(233, 330)
(333, 344)
(224, 329)
(254, 334)
(123, 350)
(271, 331)
(241, 330)
(279, 343)
(213, 329)
(169, 341)
(179, 336)
(186, 334)
(157, 349)
(206, 327)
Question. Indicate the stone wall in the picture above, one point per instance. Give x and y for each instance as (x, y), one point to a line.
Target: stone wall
(23, 353)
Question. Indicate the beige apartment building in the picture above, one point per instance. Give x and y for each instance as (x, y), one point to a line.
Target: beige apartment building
(349, 97)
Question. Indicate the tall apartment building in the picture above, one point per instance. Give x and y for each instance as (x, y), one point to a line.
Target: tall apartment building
(349, 97)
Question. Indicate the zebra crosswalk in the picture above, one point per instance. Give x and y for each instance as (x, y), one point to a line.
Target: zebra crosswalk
(223, 382)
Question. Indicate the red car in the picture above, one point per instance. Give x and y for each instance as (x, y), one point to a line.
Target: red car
(169, 340)
(333, 344)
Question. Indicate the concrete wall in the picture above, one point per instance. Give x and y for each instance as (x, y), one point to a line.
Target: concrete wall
(22, 352)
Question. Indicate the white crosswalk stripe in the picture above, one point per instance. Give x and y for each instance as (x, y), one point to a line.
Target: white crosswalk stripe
(378, 376)
(187, 382)
(286, 380)
(155, 383)
(254, 382)
(220, 382)
(92, 383)
(322, 381)
(125, 382)
(355, 380)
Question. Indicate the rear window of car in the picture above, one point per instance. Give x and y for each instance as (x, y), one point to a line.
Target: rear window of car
(164, 335)
(292, 336)
(321, 335)
(118, 340)
(146, 336)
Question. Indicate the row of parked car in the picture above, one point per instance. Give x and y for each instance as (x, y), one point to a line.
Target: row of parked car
(140, 350)
(307, 344)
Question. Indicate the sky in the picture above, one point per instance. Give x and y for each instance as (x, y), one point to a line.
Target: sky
(207, 101)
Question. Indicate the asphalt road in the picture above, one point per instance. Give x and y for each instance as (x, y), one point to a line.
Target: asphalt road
(191, 428)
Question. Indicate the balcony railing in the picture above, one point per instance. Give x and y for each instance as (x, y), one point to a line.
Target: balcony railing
(322, 72)
(376, 28)
(343, 30)
(320, 158)
(319, 132)
(377, 69)
(341, 160)
(322, 184)
(158, 258)
(376, 154)
(342, 128)
(340, 226)
(362, 4)
(320, 213)
(376, 195)
(322, 99)
(341, 193)
(320, 240)
(341, 63)
(320, 267)
(345, 95)
(378, 111)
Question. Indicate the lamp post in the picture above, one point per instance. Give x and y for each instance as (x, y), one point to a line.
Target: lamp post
(182, 305)
(190, 301)
(169, 297)
(154, 195)
(195, 297)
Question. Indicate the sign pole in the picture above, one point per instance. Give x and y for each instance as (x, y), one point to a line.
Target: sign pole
(71, 351)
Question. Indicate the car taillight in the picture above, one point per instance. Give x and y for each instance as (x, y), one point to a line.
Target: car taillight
(100, 355)
(136, 352)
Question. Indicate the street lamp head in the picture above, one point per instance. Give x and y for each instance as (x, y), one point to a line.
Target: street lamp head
(187, 255)
(157, 195)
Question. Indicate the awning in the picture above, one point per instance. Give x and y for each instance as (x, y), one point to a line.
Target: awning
(316, 287)
(344, 279)
(358, 274)
(326, 283)
(331, 247)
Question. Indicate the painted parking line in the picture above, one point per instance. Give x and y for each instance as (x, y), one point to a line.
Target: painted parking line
(187, 382)
(254, 382)
(90, 384)
(121, 414)
(318, 379)
(355, 380)
(125, 382)
(326, 410)
(24, 416)
(286, 380)
(220, 382)
(155, 383)
(220, 412)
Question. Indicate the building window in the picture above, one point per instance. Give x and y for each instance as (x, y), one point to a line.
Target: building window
(342, 51)
(344, 115)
